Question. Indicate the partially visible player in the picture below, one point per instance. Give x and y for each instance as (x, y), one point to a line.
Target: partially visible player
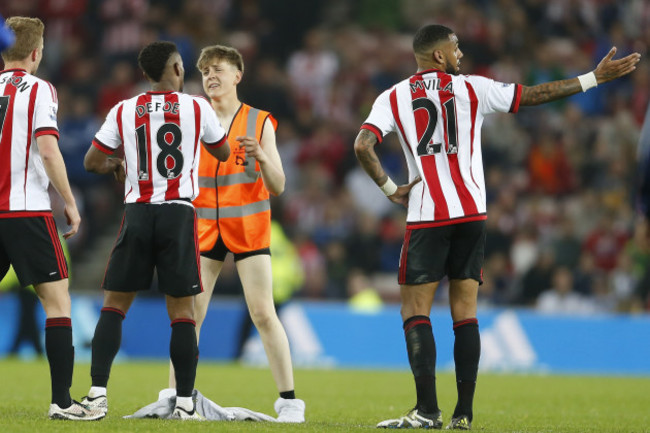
(7, 37)
(30, 160)
(437, 115)
(642, 292)
(161, 132)
(644, 168)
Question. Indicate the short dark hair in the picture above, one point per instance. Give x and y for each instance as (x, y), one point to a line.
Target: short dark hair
(153, 58)
(428, 36)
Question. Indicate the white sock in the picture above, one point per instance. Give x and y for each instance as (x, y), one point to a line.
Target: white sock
(97, 391)
(185, 403)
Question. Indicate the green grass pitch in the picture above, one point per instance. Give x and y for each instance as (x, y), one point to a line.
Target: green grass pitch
(337, 400)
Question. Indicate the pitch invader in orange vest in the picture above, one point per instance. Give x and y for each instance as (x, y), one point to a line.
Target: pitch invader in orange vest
(235, 215)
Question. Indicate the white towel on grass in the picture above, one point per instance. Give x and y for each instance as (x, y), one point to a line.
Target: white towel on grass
(211, 411)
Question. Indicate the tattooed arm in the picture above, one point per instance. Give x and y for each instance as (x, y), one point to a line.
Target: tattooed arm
(607, 70)
(547, 92)
(364, 149)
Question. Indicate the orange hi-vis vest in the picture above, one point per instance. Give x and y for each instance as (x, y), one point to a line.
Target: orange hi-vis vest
(233, 201)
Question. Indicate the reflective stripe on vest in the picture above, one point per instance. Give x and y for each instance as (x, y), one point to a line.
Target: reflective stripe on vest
(226, 180)
(249, 176)
(233, 211)
(251, 128)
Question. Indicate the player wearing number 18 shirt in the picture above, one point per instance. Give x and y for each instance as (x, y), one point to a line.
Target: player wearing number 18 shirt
(437, 115)
(161, 132)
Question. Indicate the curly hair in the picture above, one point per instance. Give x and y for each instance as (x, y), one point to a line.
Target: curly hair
(153, 58)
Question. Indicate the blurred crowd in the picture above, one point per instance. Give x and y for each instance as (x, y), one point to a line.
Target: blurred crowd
(563, 230)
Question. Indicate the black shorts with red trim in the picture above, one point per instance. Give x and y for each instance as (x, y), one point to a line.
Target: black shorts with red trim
(156, 236)
(455, 250)
(31, 244)
(219, 252)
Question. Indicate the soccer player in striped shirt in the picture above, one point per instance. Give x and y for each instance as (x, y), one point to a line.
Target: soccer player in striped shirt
(161, 132)
(437, 115)
(30, 160)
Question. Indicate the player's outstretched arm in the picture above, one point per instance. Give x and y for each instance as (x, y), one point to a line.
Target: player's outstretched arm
(607, 70)
(364, 149)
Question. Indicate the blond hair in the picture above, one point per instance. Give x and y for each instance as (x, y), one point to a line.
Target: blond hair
(29, 32)
(220, 53)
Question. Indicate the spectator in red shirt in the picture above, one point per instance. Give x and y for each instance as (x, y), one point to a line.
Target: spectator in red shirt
(606, 242)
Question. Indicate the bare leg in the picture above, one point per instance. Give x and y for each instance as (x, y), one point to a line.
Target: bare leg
(255, 275)
(417, 299)
(54, 297)
(462, 299)
(119, 300)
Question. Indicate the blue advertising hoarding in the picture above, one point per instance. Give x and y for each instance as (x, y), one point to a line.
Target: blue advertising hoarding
(335, 335)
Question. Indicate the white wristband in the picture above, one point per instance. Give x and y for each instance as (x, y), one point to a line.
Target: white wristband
(389, 188)
(587, 81)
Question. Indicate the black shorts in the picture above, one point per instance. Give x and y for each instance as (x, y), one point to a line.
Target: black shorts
(220, 251)
(160, 236)
(456, 250)
(32, 246)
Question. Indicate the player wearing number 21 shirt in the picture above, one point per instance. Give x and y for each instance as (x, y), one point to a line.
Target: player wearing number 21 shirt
(161, 132)
(437, 114)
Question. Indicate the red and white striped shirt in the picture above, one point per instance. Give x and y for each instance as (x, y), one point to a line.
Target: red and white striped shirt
(161, 133)
(28, 107)
(438, 119)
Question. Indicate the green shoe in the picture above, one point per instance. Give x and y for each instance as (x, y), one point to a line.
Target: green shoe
(460, 423)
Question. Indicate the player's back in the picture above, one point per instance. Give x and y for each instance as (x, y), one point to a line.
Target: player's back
(161, 134)
(28, 108)
(437, 108)
(438, 118)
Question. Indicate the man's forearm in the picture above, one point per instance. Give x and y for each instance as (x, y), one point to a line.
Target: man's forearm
(364, 149)
(551, 91)
(274, 179)
(109, 166)
(56, 172)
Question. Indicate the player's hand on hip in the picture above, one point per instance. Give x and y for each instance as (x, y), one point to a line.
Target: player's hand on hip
(73, 218)
(401, 196)
(251, 146)
(608, 69)
(120, 172)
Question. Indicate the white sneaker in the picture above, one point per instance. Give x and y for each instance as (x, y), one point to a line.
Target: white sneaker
(183, 415)
(99, 403)
(290, 410)
(76, 412)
